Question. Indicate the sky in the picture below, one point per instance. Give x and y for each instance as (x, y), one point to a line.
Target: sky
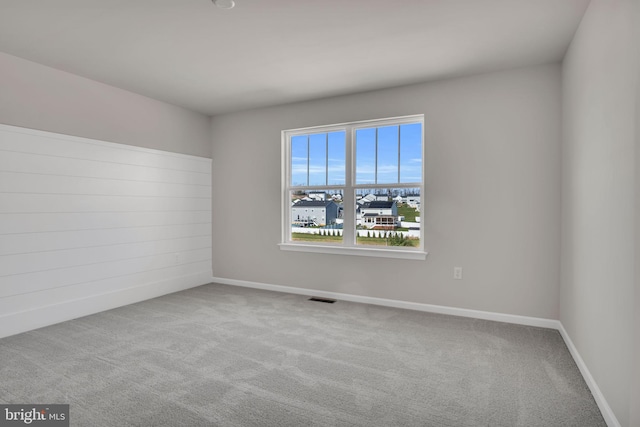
(383, 155)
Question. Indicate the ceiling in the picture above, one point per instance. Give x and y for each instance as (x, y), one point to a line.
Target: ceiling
(268, 52)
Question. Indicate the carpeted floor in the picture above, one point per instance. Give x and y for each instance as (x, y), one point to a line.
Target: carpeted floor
(226, 356)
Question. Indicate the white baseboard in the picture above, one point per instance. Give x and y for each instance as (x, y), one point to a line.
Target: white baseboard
(476, 314)
(38, 317)
(604, 407)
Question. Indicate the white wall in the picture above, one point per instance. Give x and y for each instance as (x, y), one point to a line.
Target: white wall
(599, 188)
(38, 97)
(491, 202)
(87, 225)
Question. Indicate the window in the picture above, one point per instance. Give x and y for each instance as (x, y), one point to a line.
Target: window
(354, 188)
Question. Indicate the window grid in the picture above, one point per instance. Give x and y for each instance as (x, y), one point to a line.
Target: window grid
(350, 186)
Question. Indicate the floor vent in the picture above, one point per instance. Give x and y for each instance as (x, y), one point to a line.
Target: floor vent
(319, 299)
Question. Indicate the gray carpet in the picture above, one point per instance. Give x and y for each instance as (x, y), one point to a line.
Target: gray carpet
(226, 356)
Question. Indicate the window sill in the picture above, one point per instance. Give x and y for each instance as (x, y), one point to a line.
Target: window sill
(339, 250)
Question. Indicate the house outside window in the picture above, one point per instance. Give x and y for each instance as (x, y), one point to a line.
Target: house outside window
(345, 188)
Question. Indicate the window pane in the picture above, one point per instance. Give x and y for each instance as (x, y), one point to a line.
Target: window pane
(366, 156)
(389, 154)
(299, 159)
(387, 164)
(336, 160)
(411, 152)
(318, 159)
(389, 217)
(316, 216)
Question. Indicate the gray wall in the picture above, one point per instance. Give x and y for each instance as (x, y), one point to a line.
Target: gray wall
(599, 184)
(38, 97)
(491, 203)
(635, 391)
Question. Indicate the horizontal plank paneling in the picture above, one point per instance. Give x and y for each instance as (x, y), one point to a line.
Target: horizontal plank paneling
(38, 222)
(25, 202)
(46, 143)
(14, 182)
(54, 296)
(54, 241)
(81, 218)
(12, 161)
(44, 261)
(56, 278)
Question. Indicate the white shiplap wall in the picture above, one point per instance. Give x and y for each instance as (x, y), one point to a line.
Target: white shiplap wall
(87, 225)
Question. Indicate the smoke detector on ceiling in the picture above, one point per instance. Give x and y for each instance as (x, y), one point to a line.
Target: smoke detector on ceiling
(224, 4)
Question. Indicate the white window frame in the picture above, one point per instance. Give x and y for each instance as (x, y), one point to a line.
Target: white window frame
(348, 246)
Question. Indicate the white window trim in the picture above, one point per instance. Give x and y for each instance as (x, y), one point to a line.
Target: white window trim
(348, 246)
(352, 250)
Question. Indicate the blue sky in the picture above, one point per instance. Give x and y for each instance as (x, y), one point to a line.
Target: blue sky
(319, 159)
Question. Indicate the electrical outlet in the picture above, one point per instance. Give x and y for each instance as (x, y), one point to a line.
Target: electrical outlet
(457, 273)
(178, 258)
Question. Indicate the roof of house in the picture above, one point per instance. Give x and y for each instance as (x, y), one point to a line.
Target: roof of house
(379, 204)
(314, 203)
